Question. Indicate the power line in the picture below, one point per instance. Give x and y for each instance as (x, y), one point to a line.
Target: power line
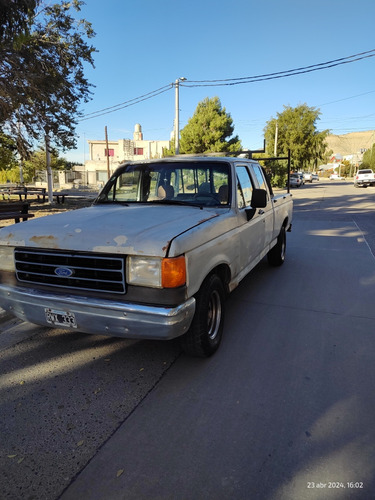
(346, 98)
(126, 104)
(280, 74)
(231, 81)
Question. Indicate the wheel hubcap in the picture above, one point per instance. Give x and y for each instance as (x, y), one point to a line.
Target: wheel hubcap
(214, 314)
(283, 247)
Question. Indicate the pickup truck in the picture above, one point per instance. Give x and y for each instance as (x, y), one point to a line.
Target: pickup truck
(364, 178)
(153, 257)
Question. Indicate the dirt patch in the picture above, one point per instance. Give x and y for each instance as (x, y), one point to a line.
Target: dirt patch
(42, 209)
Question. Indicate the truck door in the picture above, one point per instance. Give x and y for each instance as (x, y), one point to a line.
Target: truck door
(267, 213)
(251, 232)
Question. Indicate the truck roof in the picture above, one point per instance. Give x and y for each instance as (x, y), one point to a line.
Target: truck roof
(201, 158)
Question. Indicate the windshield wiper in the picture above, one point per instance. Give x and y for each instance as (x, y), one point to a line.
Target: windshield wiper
(111, 202)
(166, 201)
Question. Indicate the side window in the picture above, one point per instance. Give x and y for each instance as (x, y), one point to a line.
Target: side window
(126, 188)
(244, 187)
(259, 176)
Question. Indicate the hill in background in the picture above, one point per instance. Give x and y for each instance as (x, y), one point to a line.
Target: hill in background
(352, 143)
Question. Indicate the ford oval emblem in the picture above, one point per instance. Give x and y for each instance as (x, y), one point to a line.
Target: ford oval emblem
(64, 272)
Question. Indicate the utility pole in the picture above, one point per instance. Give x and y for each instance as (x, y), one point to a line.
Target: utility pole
(276, 134)
(177, 115)
(106, 145)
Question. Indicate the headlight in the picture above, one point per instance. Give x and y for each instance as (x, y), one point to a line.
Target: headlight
(155, 272)
(144, 271)
(7, 259)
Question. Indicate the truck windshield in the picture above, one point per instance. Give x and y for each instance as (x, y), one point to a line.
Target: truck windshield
(193, 183)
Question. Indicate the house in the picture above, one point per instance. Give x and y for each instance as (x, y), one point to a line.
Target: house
(95, 170)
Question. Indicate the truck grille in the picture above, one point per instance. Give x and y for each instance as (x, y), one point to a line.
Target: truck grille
(80, 271)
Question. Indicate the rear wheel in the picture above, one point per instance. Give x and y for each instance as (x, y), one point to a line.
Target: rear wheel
(276, 256)
(204, 335)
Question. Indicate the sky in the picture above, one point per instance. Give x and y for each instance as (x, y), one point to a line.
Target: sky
(145, 46)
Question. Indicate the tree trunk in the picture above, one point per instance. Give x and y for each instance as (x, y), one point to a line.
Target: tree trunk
(49, 172)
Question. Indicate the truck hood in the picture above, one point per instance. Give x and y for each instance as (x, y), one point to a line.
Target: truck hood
(133, 229)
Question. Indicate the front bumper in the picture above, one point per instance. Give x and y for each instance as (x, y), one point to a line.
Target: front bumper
(102, 317)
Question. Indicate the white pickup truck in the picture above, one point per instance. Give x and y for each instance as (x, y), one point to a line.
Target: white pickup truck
(364, 178)
(153, 257)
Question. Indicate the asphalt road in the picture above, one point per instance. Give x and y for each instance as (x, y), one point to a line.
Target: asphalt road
(284, 410)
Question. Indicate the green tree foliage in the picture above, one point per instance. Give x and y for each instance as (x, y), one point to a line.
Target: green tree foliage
(277, 172)
(42, 57)
(209, 129)
(11, 175)
(15, 18)
(8, 150)
(37, 161)
(171, 151)
(346, 169)
(297, 131)
(369, 158)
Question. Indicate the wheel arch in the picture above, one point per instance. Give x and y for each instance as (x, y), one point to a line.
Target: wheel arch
(224, 273)
(200, 267)
(286, 224)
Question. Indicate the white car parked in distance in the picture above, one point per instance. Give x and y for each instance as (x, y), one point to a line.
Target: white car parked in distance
(336, 177)
(308, 177)
(295, 180)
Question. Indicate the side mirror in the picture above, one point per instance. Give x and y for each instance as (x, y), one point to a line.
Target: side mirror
(259, 198)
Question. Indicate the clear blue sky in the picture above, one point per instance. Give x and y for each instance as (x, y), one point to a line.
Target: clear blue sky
(147, 45)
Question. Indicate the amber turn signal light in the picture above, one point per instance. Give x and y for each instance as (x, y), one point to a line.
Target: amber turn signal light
(173, 272)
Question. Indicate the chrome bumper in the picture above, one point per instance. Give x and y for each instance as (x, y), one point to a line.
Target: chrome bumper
(102, 317)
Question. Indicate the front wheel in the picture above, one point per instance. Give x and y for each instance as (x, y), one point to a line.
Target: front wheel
(276, 256)
(204, 335)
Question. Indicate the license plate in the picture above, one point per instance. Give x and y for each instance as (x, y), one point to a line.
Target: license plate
(60, 318)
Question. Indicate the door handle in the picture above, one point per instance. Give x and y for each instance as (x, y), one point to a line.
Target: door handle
(261, 212)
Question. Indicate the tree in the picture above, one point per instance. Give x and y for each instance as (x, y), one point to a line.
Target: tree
(346, 168)
(297, 131)
(14, 18)
(208, 130)
(171, 151)
(8, 150)
(42, 53)
(368, 160)
(37, 161)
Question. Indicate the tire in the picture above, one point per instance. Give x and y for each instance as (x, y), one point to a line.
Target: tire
(206, 330)
(276, 256)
